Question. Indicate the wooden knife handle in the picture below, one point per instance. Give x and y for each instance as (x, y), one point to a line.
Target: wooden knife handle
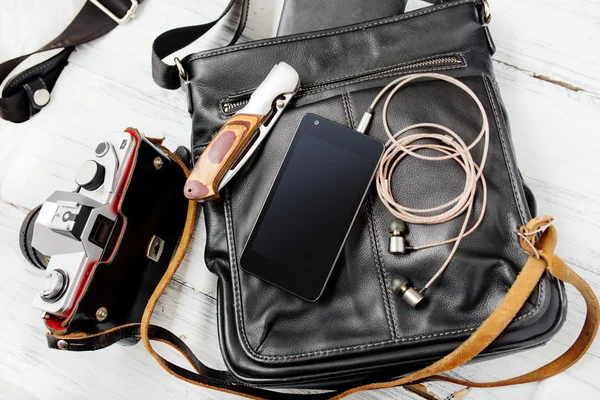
(220, 155)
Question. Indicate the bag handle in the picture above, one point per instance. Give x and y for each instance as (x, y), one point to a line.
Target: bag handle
(29, 91)
(541, 257)
(168, 76)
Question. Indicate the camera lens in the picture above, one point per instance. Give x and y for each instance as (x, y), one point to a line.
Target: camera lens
(316, 122)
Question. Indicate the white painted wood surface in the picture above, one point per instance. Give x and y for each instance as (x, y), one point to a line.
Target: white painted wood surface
(547, 66)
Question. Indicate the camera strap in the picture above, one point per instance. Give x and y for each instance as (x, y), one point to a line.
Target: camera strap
(541, 258)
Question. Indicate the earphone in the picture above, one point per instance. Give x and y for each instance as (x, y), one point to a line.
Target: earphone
(451, 146)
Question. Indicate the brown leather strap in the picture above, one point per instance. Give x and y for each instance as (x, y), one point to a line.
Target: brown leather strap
(491, 328)
(506, 311)
(205, 377)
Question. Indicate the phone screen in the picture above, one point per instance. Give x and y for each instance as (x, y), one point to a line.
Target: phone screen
(311, 206)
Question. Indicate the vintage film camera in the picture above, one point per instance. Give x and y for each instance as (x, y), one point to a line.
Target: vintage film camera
(105, 246)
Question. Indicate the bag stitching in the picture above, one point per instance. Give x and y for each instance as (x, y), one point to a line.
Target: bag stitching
(504, 152)
(356, 28)
(348, 119)
(352, 122)
(511, 173)
(246, 12)
(237, 295)
(234, 273)
(381, 275)
(384, 75)
(375, 243)
(370, 71)
(27, 88)
(20, 79)
(360, 80)
(384, 294)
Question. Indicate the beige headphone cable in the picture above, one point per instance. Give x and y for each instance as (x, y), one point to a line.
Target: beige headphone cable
(451, 146)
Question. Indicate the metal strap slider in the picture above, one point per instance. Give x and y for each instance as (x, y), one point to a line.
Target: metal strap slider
(128, 15)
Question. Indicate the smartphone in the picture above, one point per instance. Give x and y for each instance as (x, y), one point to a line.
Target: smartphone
(311, 206)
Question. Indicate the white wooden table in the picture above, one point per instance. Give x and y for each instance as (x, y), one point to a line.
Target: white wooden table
(547, 65)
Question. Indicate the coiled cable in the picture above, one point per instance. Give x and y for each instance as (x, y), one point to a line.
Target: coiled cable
(426, 137)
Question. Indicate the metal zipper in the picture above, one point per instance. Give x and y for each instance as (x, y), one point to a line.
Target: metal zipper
(229, 107)
(235, 102)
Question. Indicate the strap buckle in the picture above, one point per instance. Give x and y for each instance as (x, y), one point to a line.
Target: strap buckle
(128, 15)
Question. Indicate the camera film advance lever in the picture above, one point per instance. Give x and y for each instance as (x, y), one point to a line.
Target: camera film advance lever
(242, 134)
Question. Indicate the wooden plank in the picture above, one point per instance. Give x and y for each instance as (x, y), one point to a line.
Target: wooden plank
(559, 154)
(554, 39)
(551, 40)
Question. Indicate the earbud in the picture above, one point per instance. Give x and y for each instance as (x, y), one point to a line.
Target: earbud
(397, 240)
(402, 287)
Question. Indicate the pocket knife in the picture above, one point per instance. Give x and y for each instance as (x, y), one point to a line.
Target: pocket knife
(242, 134)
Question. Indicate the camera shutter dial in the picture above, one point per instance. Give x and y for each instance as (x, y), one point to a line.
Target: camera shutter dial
(53, 285)
(90, 175)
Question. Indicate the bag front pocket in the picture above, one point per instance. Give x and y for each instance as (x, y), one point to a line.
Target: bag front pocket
(238, 100)
(358, 309)
(270, 315)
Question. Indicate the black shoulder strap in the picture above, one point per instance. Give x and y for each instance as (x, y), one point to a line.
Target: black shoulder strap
(201, 375)
(29, 91)
(168, 76)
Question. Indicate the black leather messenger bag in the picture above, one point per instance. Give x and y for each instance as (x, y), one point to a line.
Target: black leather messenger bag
(359, 333)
